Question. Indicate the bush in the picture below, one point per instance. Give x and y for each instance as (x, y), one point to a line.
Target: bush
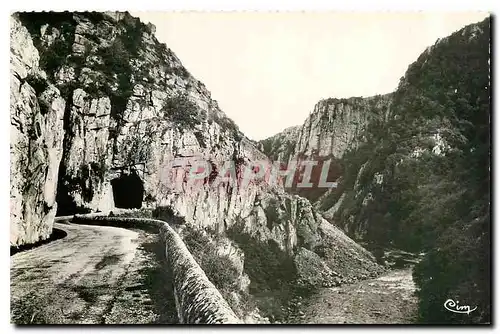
(168, 215)
(182, 112)
(459, 269)
(99, 168)
(39, 84)
(52, 57)
(136, 213)
(220, 270)
(116, 58)
(272, 215)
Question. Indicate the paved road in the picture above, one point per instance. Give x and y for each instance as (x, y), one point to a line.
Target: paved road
(388, 299)
(94, 275)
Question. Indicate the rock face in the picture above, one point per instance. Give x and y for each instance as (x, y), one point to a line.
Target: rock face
(337, 125)
(137, 126)
(334, 127)
(281, 146)
(36, 115)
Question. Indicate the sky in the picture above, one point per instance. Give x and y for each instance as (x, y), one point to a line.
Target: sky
(268, 70)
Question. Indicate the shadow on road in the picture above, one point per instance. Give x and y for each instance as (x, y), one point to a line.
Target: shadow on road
(56, 235)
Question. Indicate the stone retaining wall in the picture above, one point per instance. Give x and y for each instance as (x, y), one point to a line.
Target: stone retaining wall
(197, 300)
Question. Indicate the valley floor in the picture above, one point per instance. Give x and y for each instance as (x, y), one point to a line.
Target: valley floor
(95, 275)
(388, 299)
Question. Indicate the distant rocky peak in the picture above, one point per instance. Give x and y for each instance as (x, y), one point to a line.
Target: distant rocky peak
(335, 126)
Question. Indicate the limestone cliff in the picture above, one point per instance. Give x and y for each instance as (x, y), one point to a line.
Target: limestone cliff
(337, 125)
(135, 122)
(333, 127)
(440, 112)
(281, 146)
(36, 118)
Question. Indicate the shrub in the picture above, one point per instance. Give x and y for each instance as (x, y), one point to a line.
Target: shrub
(219, 269)
(116, 58)
(182, 112)
(272, 213)
(166, 213)
(39, 84)
(52, 57)
(136, 213)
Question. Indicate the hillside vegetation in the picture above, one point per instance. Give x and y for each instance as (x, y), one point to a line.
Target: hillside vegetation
(433, 157)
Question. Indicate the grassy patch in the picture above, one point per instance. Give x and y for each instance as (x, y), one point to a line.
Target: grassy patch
(220, 269)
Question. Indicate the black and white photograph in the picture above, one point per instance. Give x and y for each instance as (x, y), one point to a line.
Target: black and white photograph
(250, 167)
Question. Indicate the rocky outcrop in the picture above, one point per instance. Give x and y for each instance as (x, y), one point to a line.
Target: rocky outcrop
(281, 146)
(337, 125)
(293, 223)
(334, 127)
(36, 116)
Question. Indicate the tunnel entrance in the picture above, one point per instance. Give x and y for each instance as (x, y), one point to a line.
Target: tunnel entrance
(128, 191)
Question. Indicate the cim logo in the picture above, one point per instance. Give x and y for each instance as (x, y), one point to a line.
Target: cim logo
(452, 306)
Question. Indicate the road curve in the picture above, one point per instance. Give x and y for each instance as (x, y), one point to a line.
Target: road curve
(94, 275)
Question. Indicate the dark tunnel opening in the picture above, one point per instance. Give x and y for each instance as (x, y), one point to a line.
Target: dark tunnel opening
(128, 191)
